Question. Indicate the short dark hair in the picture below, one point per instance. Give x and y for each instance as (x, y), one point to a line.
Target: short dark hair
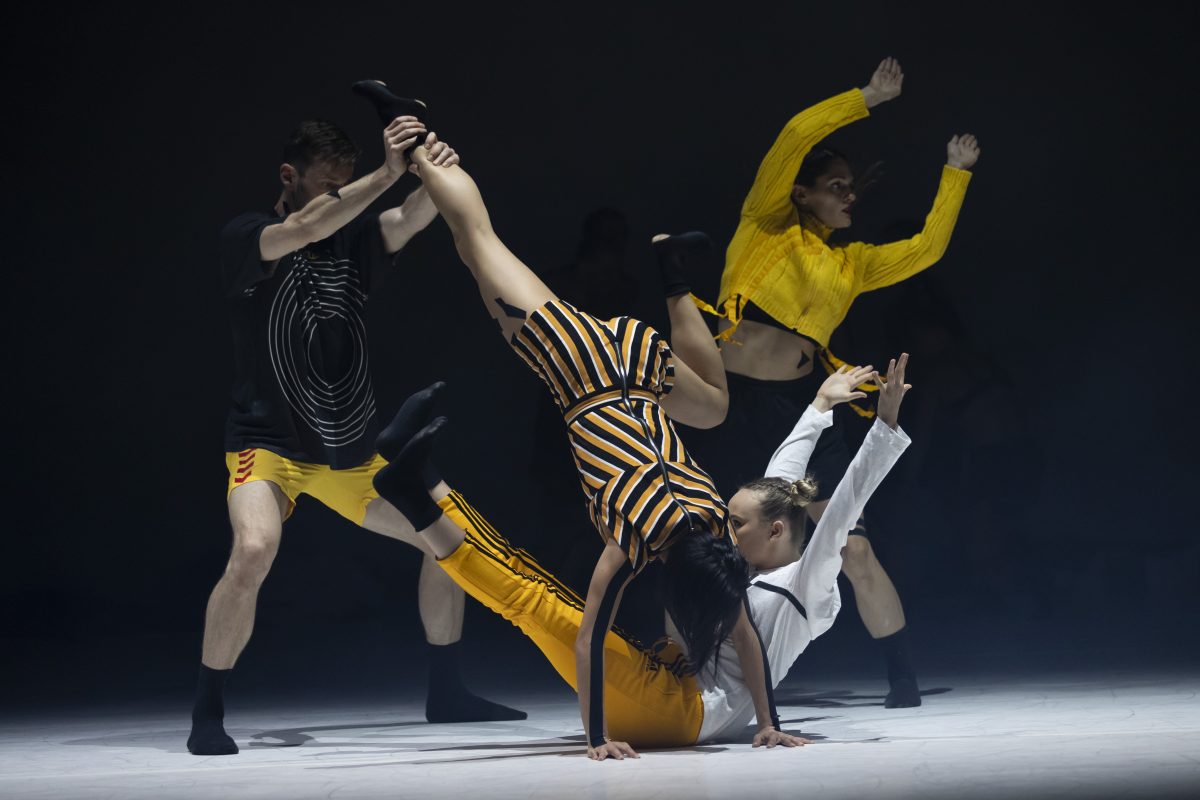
(817, 163)
(319, 140)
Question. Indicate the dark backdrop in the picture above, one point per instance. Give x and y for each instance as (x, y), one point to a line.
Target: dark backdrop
(1043, 509)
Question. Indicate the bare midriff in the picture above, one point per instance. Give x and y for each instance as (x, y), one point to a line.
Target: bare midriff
(766, 353)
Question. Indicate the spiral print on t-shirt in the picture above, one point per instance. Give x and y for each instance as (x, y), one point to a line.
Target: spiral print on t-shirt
(318, 308)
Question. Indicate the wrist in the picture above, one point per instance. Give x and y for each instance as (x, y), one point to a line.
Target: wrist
(870, 97)
(387, 174)
(822, 404)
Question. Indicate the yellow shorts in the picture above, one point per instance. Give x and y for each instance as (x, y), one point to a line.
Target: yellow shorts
(346, 491)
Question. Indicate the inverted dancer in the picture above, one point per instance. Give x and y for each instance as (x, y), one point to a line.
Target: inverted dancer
(619, 384)
(303, 417)
(649, 701)
(784, 291)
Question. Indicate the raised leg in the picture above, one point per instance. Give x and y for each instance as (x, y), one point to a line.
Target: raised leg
(509, 289)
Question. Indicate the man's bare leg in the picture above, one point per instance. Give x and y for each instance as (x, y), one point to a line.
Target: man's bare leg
(881, 612)
(256, 512)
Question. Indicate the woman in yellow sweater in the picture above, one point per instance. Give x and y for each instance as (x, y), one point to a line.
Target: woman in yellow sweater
(784, 291)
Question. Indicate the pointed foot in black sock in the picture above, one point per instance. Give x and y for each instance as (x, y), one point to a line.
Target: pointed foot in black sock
(680, 259)
(388, 105)
(208, 738)
(684, 244)
(404, 473)
(903, 694)
(403, 482)
(466, 707)
(414, 415)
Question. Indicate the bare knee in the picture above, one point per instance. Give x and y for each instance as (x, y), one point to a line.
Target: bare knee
(251, 560)
(857, 558)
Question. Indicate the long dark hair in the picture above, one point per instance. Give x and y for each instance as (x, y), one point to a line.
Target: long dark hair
(706, 580)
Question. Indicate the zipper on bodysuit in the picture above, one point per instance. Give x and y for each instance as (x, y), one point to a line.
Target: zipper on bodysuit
(662, 462)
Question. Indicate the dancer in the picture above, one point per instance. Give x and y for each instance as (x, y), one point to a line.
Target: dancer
(618, 385)
(784, 291)
(794, 598)
(303, 414)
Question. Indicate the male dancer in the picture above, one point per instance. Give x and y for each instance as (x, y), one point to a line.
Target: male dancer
(303, 414)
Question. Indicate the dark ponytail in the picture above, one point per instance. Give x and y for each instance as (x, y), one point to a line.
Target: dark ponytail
(706, 580)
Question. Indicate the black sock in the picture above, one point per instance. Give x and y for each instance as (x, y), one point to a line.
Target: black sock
(449, 700)
(902, 679)
(676, 260)
(389, 106)
(402, 481)
(414, 414)
(208, 737)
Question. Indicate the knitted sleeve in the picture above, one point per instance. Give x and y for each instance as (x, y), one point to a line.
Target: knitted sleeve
(883, 265)
(771, 194)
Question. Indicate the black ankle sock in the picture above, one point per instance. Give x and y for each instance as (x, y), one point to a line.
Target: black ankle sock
(208, 737)
(676, 260)
(389, 106)
(449, 700)
(414, 414)
(402, 481)
(902, 679)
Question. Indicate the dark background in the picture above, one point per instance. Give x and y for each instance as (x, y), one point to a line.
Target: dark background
(1041, 520)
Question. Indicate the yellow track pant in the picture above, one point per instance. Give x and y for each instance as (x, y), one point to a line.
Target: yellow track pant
(648, 702)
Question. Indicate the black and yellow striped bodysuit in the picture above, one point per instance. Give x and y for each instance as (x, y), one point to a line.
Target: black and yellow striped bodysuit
(607, 378)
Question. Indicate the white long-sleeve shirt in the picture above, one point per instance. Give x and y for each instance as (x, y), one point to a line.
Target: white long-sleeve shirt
(796, 603)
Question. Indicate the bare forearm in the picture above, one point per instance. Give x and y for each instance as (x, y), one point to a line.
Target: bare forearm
(400, 224)
(751, 656)
(325, 215)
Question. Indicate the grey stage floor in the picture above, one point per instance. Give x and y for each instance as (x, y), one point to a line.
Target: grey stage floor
(1119, 736)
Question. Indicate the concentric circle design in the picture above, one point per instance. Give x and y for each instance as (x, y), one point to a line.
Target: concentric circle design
(318, 301)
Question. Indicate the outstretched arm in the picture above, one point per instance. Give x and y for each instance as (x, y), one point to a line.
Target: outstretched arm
(790, 460)
(815, 581)
(611, 575)
(323, 216)
(771, 194)
(891, 263)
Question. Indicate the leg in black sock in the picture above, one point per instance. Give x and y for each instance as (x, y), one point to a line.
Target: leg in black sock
(389, 106)
(402, 481)
(208, 737)
(449, 700)
(415, 414)
(678, 260)
(904, 692)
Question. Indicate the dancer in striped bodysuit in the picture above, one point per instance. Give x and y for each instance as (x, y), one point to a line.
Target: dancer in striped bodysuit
(794, 595)
(619, 385)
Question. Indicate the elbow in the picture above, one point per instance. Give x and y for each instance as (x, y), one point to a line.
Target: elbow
(715, 410)
(583, 648)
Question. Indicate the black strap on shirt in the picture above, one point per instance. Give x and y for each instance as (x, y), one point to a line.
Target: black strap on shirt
(766, 666)
(596, 667)
(770, 587)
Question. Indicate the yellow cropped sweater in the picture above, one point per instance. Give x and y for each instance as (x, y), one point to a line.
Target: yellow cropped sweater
(787, 269)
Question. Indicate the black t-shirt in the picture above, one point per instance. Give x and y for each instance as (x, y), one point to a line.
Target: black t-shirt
(301, 386)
